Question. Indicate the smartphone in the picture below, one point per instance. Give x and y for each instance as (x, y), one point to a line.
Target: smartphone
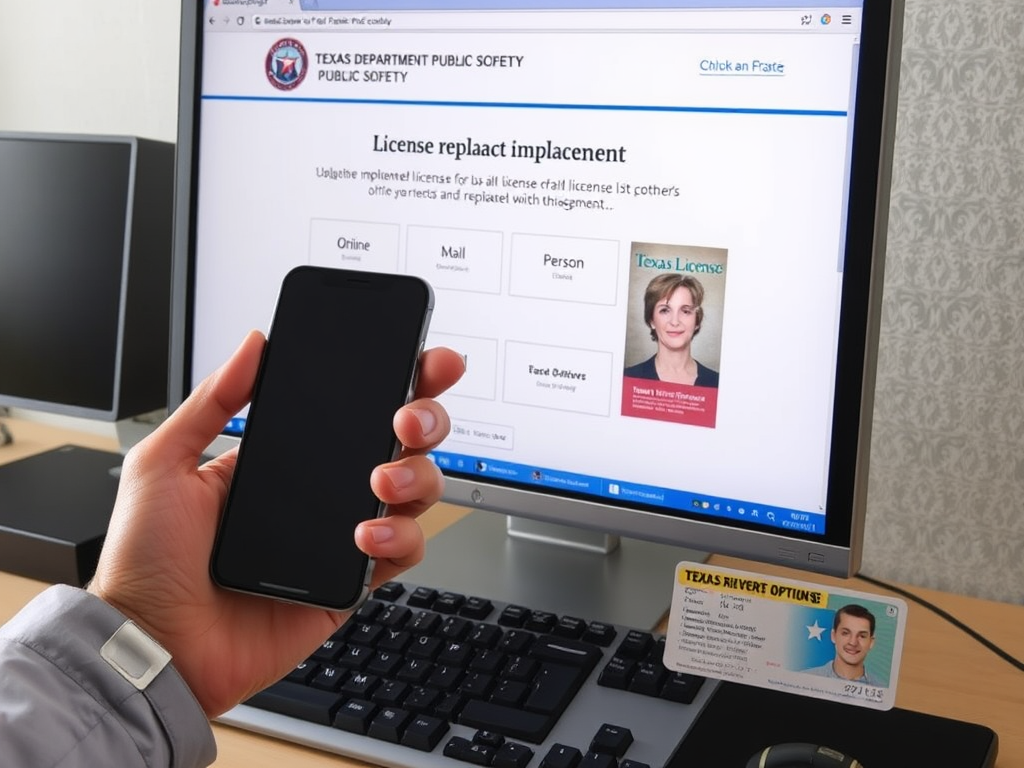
(341, 357)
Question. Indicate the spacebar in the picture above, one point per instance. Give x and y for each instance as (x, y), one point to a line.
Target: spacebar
(296, 700)
(528, 726)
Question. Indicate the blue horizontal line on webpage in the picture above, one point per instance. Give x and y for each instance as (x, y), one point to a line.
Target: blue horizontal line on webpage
(529, 105)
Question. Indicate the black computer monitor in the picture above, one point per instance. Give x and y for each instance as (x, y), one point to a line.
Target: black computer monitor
(85, 265)
(85, 230)
(546, 166)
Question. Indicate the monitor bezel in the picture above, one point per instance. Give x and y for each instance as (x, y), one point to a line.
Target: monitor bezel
(115, 411)
(838, 552)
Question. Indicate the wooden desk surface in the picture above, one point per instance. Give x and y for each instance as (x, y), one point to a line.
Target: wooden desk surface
(944, 672)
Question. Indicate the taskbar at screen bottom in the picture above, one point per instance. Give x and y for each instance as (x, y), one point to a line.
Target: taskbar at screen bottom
(618, 490)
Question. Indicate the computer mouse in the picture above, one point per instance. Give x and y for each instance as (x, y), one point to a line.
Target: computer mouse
(795, 755)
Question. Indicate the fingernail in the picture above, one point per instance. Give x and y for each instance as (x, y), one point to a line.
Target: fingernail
(400, 476)
(381, 533)
(428, 422)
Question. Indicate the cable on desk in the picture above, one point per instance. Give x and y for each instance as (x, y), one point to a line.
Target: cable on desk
(948, 617)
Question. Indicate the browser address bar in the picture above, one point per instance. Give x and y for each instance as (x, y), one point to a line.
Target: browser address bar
(553, 20)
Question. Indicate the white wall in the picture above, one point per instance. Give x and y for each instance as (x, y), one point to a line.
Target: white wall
(85, 66)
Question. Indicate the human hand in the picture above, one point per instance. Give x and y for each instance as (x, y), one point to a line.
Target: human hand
(154, 566)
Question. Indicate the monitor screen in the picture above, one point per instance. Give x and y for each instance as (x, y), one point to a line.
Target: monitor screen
(84, 273)
(62, 259)
(655, 234)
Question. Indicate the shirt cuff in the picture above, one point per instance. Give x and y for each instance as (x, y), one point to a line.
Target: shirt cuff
(69, 627)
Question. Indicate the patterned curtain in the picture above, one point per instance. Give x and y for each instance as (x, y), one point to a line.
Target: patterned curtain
(946, 499)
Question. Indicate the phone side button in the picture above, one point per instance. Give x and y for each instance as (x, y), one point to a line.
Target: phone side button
(296, 700)
(367, 583)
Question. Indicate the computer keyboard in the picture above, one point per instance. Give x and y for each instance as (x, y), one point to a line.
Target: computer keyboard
(422, 678)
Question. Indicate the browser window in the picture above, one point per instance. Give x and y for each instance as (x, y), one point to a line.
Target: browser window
(549, 172)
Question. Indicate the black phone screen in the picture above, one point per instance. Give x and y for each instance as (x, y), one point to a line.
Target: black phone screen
(340, 360)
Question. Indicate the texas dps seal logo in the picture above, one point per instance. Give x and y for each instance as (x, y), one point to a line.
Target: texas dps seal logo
(286, 64)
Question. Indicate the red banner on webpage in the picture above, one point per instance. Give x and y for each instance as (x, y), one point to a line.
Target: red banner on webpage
(664, 401)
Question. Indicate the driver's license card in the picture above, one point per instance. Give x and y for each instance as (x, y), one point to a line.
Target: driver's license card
(791, 636)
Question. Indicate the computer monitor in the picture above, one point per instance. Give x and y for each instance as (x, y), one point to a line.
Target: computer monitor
(85, 273)
(85, 249)
(655, 233)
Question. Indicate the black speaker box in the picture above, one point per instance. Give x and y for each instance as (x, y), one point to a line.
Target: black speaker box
(54, 511)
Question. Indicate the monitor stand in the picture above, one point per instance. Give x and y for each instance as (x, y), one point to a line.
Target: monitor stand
(561, 569)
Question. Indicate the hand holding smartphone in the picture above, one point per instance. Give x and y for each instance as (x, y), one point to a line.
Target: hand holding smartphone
(340, 360)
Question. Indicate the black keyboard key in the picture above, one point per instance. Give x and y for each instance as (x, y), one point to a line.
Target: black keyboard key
(561, 756)
(395, 640)
(617, 673)
(394, 616)
(553, 688)
(425, 647)
(424, 623)
(633, 764)
(298, 701)
(509, 693)
(328, 678)
(516, 723)
(329, 651)
(521, 668)
(422, 597)
(365, 634)
(516, 641)
(477, 685)
(457, 747)
(355, 715)
(541, 621)
(476, 608)
(384, 664)
(487, 660)
(389, 591)
(598, 760)
(389, 724)
(681, 687)
(565, 650)
(450, 705)
(415, 671)
(422, 699)
(454, 628)
(657, 652)
(303, 673)
(390, 693)
(478, 754)
(570, 626)
(648, 678)
(635, 644)
(366, 612)
(449, 602)
(355, 657)
(488, 738)
(485, 636)
(514, 616)
(456, 653)
(445, 677)
(611, 740)
(424, 732)
(360, 686)
(600, 633)
(512, 755)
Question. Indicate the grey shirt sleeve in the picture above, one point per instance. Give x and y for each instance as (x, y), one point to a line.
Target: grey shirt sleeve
(62, 705)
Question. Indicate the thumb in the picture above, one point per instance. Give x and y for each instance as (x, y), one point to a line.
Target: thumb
(221, 395)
